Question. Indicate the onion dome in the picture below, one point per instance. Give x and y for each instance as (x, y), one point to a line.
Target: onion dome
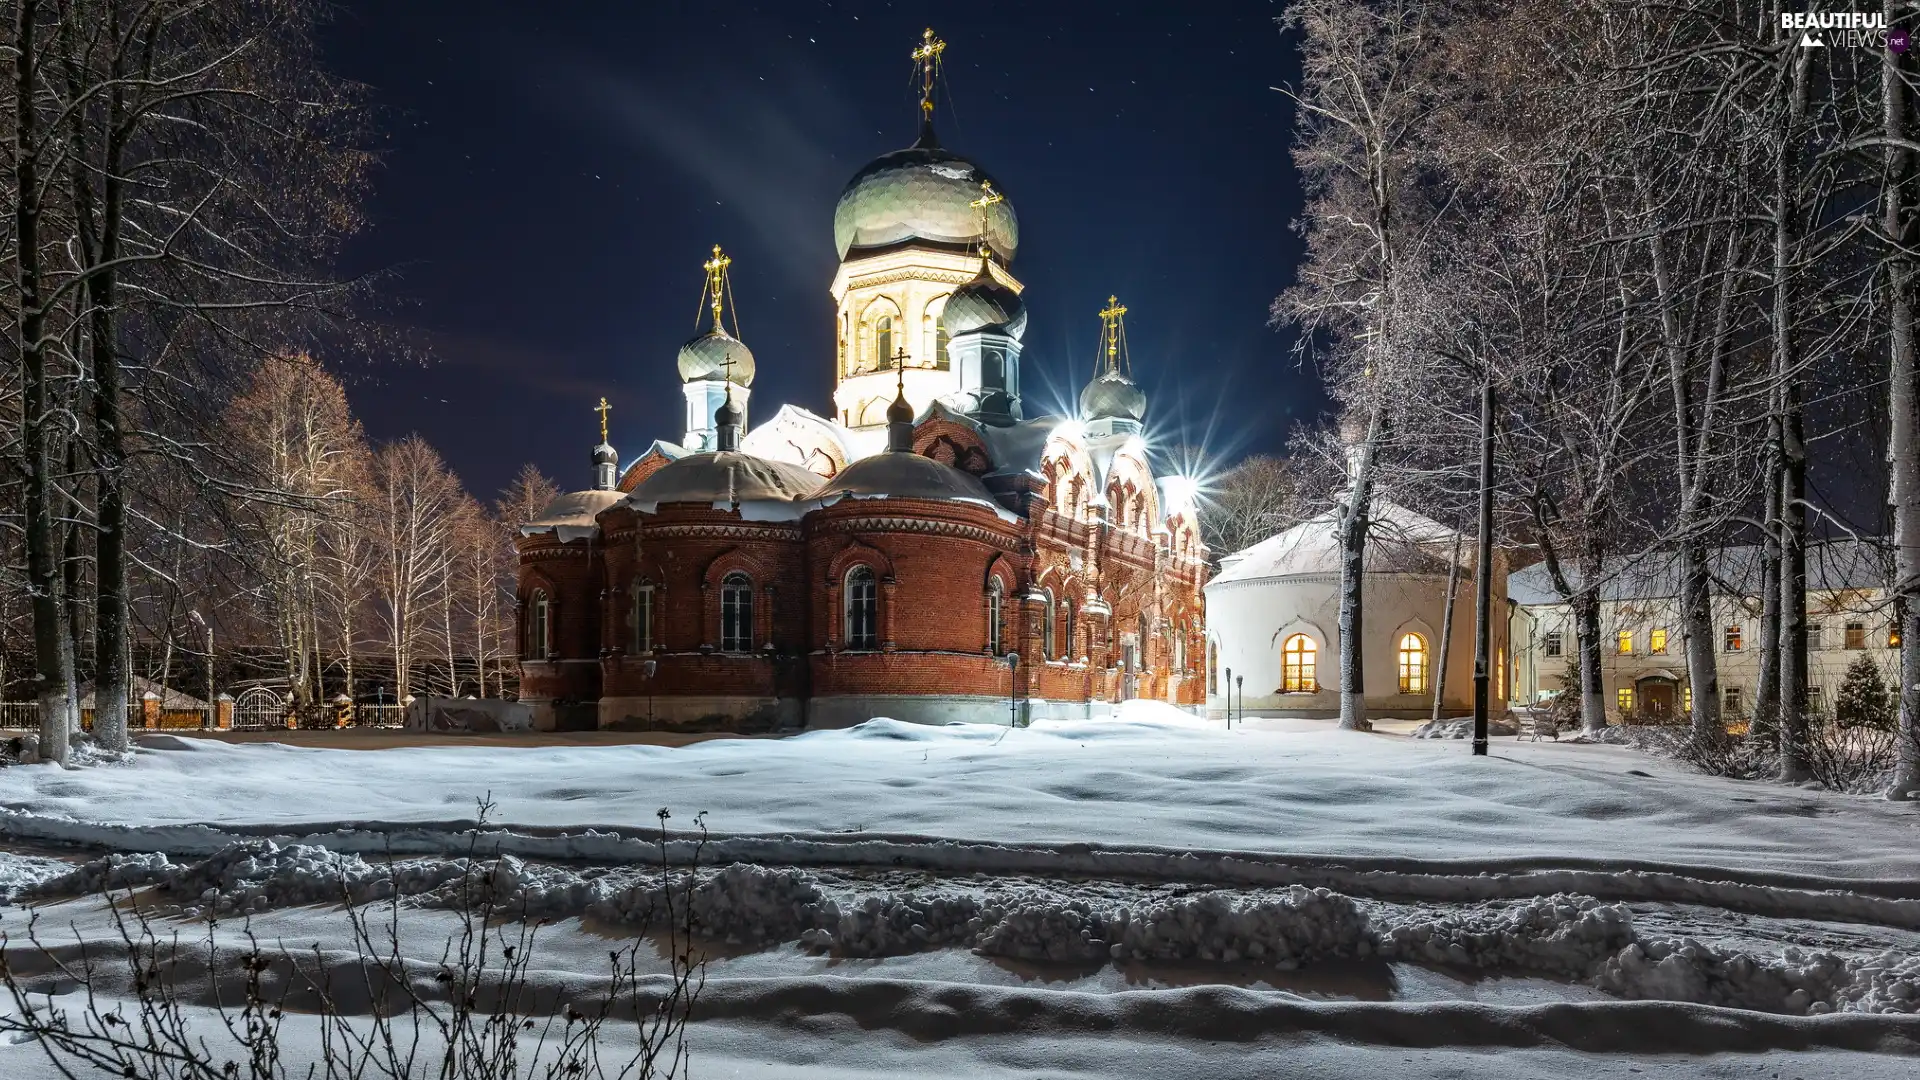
(1113, 396)
(904, 476)
(706, 357)
(921, 193)
(984, 304)
(723, 477)
(605, 455)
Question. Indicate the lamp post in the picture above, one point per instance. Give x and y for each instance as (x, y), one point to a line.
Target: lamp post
(1240, 682)
(207, 722)
(1229, 685)
(646, 672)
(1013, 689)
(1483, 572)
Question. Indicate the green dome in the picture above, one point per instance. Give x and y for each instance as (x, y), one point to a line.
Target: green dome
(706, 356)
(920, 193)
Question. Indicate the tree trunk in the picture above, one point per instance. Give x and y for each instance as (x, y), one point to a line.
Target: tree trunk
(1353, 559)
(1792, 663)
(1766, 695)
(1593, 689)
(1446, 628)
(53, 660)
(1696, 621)
(1903, 440)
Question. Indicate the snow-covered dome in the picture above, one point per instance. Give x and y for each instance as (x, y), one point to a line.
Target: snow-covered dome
(984, 304)
(706, 356)
(904, 476)
(574, 509)
(723, 476)
(1404, 542)
(920, 193)
(1113, 396)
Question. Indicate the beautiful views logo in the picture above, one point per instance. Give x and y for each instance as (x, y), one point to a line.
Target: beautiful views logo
(1846, 29)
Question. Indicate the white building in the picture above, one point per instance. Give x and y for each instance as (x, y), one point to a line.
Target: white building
(1273, 616)
(1643, 648)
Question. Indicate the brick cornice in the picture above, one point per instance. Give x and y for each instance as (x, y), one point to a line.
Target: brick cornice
(721, 531)
(925, 526)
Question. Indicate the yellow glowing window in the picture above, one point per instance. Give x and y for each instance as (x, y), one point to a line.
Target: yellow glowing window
(1893, 637)
(1624, 696)
(1657, 640)
(1686, 700)
(1500, 672)
(1624, 642)
(1413, 664)
(1733, 639)
(1296, 670)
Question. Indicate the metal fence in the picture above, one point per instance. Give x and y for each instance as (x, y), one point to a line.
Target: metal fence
(260, 716)
(20, 715)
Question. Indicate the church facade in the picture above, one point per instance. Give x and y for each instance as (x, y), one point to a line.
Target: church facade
(929, 552)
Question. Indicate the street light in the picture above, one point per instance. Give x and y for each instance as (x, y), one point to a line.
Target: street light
(1240, 681)
(1013, 690)
(646, 672)
(207, 721)
(1229, 699)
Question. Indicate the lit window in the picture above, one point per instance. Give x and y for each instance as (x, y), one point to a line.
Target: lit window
(1552, 646)
(537, 628)
(1657, 640)
(1732, 639)
(1623, 642)
(1297, 657)
(1893, 636)
(642, 638)
(1856, 635)
(736, 613)
(1413, 664)
(862, 610)
(1686, 700)
(1213, 668)
(883, 341)
(996, 599)
(1624, 698)
(1500, 672)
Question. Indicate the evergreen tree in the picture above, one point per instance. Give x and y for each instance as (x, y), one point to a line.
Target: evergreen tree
(1864, 699)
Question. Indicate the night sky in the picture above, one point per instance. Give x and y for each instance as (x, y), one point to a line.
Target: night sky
(554, 174)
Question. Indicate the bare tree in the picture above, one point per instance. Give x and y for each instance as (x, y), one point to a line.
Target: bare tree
(1249, 502)
(412, 508)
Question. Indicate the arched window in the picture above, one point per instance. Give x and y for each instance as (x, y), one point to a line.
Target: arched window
(1296, 669)
(1047, 650)
(642, 618)
(1413, 664)
(933, 332)
(940, 359)
(1068, 652)
(1213, 667)
(862, 615)
(537, 622)
(1180, 649)
(883, 341)
(736, 613)
(996, 604)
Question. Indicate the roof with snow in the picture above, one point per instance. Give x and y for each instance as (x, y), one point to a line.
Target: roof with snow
(1401, 542)
(1734, 570)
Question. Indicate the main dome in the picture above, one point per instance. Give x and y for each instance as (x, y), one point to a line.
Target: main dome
(706, 356)
(920, 193)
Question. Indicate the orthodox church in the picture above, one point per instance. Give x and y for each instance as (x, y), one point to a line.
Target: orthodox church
(929, 552)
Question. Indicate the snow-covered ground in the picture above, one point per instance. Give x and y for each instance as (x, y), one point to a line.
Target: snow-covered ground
(979, 901)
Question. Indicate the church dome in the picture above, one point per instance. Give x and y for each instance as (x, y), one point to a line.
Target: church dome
(984, 304)
(920, 193)
(705, 357)
(904, 476)
(721, 477)
(1113, 396)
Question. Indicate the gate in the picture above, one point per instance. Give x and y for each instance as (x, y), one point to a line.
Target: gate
(258, 707)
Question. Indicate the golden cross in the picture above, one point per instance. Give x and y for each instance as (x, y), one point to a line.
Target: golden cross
(603, 408)
(1110, 322)
(927, 55)
(988, 199)
(716, 268)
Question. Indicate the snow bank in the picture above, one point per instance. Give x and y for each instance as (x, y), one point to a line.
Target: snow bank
(1461, 728)
(1567, 936)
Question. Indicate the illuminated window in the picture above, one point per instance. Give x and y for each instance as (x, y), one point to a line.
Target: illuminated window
(736, 613)
(1413, 664)
(1686, 699)
(862, 610)
(1213, 668)
(996, 601)
(1296, 672)
(1623, 642)
(1856, 635)
(883, 341)
(1732, 640)
(1552, 643)
(1624, 697)
(1657, 640)
(1893, 636)
(1500, 672)
(642, 617)
(537, 629)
